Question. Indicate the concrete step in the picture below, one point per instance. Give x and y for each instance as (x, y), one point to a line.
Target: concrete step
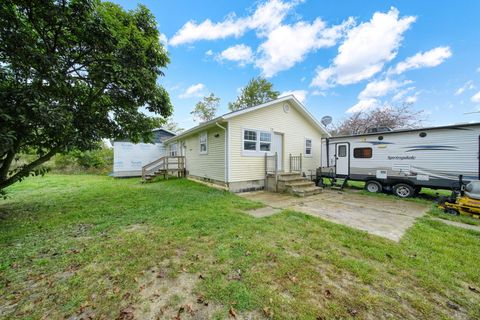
(291, 177)
(300, 184)
(305, 192)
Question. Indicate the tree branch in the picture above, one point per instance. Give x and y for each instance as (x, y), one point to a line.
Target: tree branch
(25, 171)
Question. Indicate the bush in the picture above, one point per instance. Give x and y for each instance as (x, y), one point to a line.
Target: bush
(99, 160)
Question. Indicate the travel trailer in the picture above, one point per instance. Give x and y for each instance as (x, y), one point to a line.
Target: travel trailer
(406, 160)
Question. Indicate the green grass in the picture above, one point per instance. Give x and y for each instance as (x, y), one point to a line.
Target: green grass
(72, 243)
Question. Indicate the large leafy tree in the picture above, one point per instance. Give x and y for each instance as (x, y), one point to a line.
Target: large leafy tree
(73, 72)
(258, 90)
(206, 109)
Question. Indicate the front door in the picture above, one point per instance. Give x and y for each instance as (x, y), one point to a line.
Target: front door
(278, 148)
(342, 159)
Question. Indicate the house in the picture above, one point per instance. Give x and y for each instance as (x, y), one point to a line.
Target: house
(129, 158)
(236, 149)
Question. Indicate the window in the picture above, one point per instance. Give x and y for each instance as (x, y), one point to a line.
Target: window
(257, 141)
(249, 140)
(342, 151)
(308, 147)
(362, 152)
(173, 150)
(265, 141)
(203, 143)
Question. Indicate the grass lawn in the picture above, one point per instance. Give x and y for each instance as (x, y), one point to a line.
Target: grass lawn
(98, 247)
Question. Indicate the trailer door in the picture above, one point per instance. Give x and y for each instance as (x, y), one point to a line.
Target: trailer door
(342, 159)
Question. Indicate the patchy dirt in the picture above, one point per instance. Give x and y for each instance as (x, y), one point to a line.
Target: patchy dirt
(163, 297)
(385, 217)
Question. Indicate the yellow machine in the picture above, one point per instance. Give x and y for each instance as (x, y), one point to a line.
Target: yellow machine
(464, 202)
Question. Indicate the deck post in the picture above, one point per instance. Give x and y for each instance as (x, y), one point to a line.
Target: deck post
(301, 167)
(266, 172)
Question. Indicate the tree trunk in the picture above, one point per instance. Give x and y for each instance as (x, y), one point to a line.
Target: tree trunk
(25, 171)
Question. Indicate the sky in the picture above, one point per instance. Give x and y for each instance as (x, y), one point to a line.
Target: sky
(336, 57)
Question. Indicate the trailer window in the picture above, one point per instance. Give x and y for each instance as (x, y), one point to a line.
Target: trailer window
(362, 152)
(342, 151)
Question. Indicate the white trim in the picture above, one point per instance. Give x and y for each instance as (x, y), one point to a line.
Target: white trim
(305, 147)
(225, 155)
(257, 152)
(229, 171)
(203, 134)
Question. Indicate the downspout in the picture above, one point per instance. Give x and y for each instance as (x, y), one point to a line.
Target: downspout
(226, 151)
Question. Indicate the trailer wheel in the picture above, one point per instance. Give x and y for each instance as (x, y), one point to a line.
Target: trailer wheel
(373, 186)
(403, 190)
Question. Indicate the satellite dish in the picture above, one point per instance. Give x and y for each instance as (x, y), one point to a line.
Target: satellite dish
(326, 120)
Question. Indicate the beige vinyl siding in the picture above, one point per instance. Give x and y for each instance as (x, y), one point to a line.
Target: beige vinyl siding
(295, 128)
(210, 165)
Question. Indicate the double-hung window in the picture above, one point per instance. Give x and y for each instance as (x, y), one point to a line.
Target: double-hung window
(257, 141)
(173, 150)
(203, 139)
(308, 147)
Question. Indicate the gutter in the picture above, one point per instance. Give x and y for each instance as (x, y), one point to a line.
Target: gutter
(226, 151)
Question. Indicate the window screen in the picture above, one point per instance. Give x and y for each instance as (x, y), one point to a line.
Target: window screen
(362, 152)
(342, 151)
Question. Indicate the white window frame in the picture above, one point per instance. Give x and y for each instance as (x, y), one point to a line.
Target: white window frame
(173, 150)
(201, 136)
(305, 147)
(257, 152)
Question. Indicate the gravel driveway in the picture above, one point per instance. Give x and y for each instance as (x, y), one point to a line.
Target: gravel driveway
(385, 217)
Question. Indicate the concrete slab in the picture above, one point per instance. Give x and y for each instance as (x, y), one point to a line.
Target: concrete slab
(459, 224)
(389, 218)
(263, 212)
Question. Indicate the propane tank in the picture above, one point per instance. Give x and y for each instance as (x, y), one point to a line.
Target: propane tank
(472, 190)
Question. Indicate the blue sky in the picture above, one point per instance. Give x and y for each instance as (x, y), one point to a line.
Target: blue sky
(337, 57)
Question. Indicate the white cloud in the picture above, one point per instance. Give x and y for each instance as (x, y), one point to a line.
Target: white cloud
(209, 52)
(478, 69)
(364, 105)
(428, 59)
(287, 45)
(195, 90)
(476, 97)
(239, 53)
(366, 49)
(467, 86)
(411, 99)
(380, 88)
(267, 16)
(319, 93)
(402, 93)
(301, 95)
(163, 40)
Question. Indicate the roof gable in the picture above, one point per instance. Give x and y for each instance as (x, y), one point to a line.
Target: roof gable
(290, 98)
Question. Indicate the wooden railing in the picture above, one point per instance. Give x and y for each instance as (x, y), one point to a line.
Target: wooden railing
(271, 167)
(296, 163)
(165, 165)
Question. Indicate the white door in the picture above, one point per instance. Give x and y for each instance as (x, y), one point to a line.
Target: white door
(342, 159)
(278, 148)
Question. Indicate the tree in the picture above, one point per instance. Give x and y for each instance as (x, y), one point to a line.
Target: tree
(393, 117)
(168, 124)
(73, 72)
(257, 91)
(206, 109)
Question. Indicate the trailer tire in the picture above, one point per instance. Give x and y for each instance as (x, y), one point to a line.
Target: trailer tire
(373, 186)
(403, 190)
